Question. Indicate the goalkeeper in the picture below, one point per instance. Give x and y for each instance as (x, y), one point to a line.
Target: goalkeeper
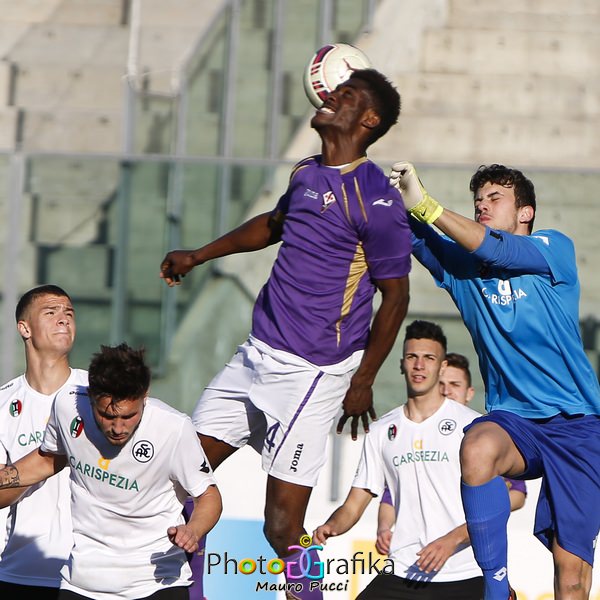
(518, 294)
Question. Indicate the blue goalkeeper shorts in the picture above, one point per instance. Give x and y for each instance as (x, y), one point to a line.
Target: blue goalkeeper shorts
(565, 451)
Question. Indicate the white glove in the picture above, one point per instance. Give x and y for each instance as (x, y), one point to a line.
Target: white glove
(417, 200)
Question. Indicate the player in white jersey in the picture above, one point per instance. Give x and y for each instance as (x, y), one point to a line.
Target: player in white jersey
(132, 462)
(455, 384)
(38, 527)
(414, 450)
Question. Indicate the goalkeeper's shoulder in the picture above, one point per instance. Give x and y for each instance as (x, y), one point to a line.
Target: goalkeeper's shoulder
(553, 240)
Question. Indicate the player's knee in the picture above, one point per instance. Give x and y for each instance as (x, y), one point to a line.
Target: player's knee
(571, 577)
(570, 586)
(281, 534)
(478, 458)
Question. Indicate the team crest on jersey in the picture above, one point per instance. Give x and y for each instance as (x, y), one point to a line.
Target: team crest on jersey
(143, 451)
(447, 426)
(76, 427)
(328, 200)
(15, 408)
(392, 431)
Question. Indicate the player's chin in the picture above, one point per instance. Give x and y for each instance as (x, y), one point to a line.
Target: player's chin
(320, 120)
(117, 441)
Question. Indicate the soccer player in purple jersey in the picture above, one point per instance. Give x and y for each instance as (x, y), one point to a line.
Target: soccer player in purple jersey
(312, 349)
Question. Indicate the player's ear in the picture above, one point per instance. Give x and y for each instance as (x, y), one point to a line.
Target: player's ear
(371, 119)
(470, 394)
(526, 214)
(23, 330)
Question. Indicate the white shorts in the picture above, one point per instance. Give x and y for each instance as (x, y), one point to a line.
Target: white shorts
(281, 405)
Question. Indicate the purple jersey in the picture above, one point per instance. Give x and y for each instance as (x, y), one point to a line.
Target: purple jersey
(515, 484)
(343, 229)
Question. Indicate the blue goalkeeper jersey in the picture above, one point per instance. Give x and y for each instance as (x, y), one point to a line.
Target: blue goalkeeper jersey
(519, 298)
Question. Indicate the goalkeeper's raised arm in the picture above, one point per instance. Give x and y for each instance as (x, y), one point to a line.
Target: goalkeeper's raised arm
(425, 208)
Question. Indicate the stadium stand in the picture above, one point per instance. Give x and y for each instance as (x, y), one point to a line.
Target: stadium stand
(480, 82)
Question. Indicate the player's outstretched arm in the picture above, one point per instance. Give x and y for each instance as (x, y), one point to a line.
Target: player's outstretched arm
(434, 556)
(255, 234)
(32, 468)
(426, 209)
(358, 402)
(206, 513)
(386, 519)
(344, 517)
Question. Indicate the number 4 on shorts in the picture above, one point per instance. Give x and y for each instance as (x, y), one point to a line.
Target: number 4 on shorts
(270, 436)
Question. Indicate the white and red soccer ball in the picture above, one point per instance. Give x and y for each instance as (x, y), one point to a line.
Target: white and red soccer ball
(331, 65)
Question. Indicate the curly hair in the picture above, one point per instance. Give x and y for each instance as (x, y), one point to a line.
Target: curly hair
(506, 177)
(385, 98)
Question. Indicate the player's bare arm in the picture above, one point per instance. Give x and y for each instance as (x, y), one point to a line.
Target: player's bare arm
(255, 234)
(345, 516)
(206, 513)
(32, 468)
(434, 556)
(386, 519)
(358, 403)
(9, 477)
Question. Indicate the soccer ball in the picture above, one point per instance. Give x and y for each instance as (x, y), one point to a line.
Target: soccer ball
(331, 65)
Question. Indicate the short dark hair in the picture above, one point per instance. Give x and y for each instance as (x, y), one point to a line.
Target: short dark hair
(33, 294)
(506, 177)
(119, 372)
(459, 361)
(385, 98)
(426, 330)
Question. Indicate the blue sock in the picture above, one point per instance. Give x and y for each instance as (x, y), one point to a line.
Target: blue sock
(302, 587)
(487, 508)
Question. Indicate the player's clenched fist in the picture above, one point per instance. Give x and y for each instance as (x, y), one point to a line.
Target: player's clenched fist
(322, 533)
(416, 198)
(176, 264)
(184, 537)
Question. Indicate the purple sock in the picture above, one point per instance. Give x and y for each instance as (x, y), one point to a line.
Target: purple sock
(297, 566)
(195, 560)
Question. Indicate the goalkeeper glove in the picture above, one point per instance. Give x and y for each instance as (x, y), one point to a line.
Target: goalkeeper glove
(416, 199)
